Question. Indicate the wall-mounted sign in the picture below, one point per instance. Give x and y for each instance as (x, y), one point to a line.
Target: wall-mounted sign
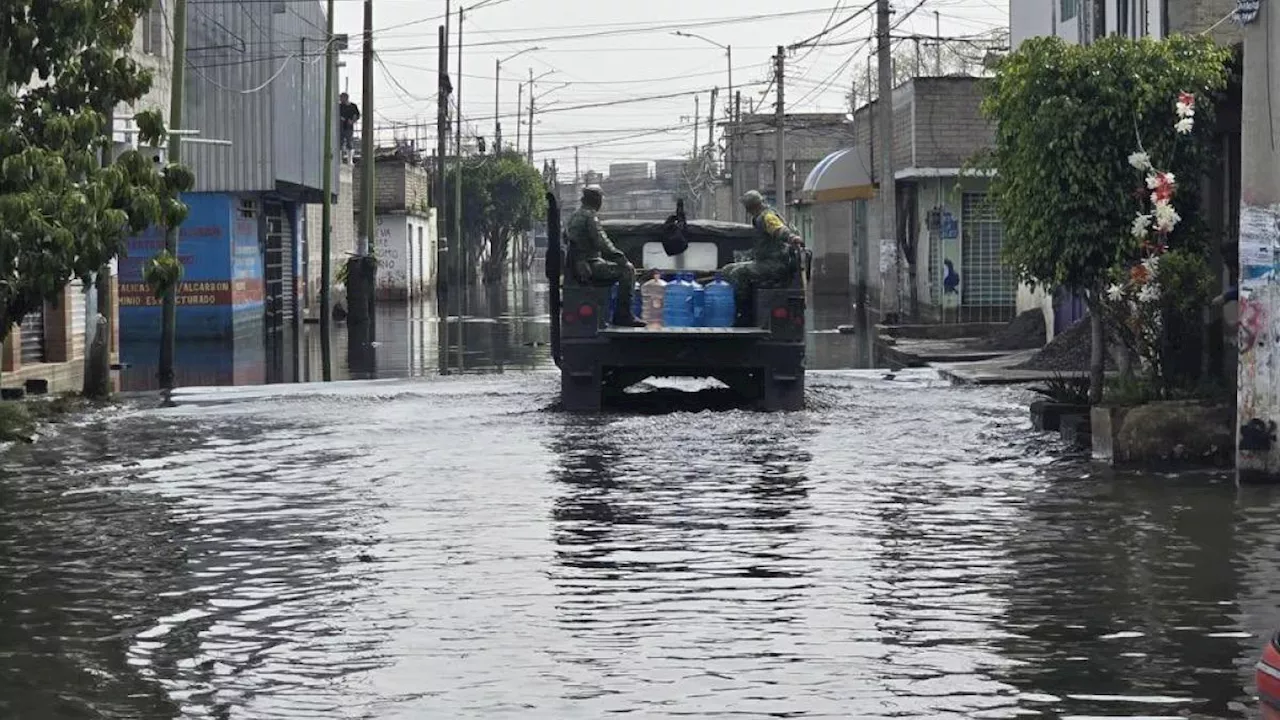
(1247, 10)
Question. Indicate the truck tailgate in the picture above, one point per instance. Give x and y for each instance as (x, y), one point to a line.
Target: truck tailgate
(691, 333)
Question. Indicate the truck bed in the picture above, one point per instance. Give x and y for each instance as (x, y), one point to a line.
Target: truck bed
(711, 333)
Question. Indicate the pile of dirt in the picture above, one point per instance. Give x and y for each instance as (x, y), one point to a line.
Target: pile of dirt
(1069, 351)
(1025, 332)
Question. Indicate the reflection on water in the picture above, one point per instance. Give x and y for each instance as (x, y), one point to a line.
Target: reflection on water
(449, 547)
(497, 330)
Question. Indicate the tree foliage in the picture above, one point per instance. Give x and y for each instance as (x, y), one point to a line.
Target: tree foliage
(1067, 119)
(502, 195)
(65, 68)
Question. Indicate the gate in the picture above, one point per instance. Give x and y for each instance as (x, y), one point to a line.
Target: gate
(990, 288)
(31, 332)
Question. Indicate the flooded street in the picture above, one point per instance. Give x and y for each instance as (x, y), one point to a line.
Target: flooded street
(431, 545)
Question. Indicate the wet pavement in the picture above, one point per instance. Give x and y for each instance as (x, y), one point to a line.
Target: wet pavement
(451, 546)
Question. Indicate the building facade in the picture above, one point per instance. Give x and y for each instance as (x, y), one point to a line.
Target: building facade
(255, 87)
(405, 240)
(944, 214)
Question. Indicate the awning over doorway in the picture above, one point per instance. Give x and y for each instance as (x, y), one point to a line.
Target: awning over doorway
(842, 175)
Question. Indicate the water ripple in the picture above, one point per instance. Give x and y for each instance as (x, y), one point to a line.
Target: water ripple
(451, 548)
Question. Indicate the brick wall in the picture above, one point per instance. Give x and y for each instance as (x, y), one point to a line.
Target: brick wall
(342, 239)
(949, 126)
(398, 186)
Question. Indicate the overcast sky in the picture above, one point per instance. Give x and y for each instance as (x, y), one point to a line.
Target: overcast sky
(614, 67)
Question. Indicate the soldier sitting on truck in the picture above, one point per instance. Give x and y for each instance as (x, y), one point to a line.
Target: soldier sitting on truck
(594, 260)
(771, 262)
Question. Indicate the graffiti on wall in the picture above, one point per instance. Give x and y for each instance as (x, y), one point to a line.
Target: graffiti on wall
(944, 229)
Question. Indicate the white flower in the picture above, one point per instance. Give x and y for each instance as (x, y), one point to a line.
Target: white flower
(1152, 264)
(1140, 160)
(1166, 217)
(1185, 125)
(1116, 293)
(1140, 225)
(1155, 180)
(1149, 293)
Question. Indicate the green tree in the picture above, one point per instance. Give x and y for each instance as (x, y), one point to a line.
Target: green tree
(63, 214)
(1068, 118)
(502, 195)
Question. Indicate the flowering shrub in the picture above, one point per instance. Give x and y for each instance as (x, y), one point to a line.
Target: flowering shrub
(1138, 298)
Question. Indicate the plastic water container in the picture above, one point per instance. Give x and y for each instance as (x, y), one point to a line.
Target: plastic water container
(720, 308)
(678, 310)
(637, 304)
(699, 303)
(653, 295)
(613, 302)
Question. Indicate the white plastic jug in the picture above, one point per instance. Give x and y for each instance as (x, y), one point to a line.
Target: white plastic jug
(653, 294)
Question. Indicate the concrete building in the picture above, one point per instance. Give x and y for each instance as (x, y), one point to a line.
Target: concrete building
(1083, 21)
(405, 242)
(255, 79)
(945, 214)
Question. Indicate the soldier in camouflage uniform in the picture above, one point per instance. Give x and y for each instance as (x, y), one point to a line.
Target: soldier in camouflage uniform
(770, 264)
(596, 261)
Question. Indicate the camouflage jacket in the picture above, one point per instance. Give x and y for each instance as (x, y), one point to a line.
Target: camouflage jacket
(775, 236)
(588, 240)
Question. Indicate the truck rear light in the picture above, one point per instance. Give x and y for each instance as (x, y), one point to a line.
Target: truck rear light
(586, 311)
(780, 313)
(569, 317)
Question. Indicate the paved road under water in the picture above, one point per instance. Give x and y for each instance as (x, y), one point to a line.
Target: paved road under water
(454, 547)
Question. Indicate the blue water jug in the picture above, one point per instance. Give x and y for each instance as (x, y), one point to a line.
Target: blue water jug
(678, 305)
(613, 301)
(721, 310)
(637, 302)
(699, 303)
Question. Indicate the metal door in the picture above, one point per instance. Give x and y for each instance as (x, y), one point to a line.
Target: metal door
(991, 288)
(31, 333)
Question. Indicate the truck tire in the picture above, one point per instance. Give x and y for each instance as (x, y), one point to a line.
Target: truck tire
(781, 394)
(581, 394)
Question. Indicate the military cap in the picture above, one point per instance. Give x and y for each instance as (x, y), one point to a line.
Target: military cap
(752, 197)
(593, 191)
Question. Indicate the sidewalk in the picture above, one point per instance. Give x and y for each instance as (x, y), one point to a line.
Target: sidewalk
(1002, 370)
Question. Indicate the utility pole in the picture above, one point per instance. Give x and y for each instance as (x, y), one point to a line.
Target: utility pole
(888, 202)
(711, 120)
(1258, 395)
(443, 245)
(530, 116)
(460, 257)
(577, 171)
(370, 224)
(519, 116)
(326, 205)
(734, 170)
(697, 118)
(168, 312)
(780, 133)
(937, 61)
(97, 338)
(497, 116)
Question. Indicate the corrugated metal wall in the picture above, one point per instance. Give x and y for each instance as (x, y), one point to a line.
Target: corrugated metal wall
(297, 95)
(244, 83)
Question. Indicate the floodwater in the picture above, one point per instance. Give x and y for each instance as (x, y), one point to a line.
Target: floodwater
(451, 546)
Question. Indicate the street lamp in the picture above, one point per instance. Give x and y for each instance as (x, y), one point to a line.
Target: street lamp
(728, 50)
(497, 85)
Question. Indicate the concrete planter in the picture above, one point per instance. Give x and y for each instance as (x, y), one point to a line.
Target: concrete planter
(1046, 415)
(1164, 435)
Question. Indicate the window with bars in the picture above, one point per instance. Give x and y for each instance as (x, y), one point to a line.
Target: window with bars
(153, 30)
(987, 281)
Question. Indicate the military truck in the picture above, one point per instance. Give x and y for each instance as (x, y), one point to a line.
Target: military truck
(761, 359)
